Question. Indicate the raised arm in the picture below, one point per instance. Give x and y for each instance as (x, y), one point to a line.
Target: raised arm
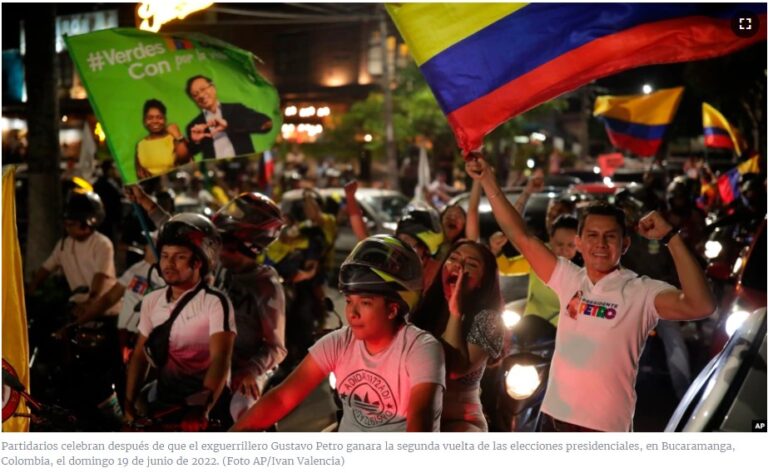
(535, 184)
(461, 357)
(279, 402)
(156, 213)
(355, 214)
(695, 300)
(542, 260)
(472, 227)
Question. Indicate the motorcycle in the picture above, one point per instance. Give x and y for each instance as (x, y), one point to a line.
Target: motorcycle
(513, 389)
(170, 419)
(75, 366)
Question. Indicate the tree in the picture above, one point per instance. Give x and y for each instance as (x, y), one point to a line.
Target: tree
(43, 136)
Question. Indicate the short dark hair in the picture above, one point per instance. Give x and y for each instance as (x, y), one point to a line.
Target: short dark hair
(566, 222)
(605, 209)
(154, 103)
(194, 78)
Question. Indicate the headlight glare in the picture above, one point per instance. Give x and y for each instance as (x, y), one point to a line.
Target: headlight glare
(712, 249)
(521, 381)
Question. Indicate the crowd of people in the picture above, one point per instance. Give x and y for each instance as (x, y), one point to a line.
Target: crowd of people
(219, 305)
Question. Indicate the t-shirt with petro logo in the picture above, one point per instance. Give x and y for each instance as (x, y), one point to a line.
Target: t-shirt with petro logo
(601, 333)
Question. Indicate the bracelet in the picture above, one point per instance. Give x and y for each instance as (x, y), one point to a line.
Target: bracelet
(670, 234)
(179, 139)
(492, 196)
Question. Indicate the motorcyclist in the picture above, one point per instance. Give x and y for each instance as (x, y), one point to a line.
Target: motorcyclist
(248, 224)
(420, 227)
(85, 256)
(201, 340)
(296, 254)
(391, 374)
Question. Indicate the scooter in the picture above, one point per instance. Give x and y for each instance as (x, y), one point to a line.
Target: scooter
(514, 388)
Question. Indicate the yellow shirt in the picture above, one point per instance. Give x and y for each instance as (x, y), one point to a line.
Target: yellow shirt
(156, 156)
(541, 300)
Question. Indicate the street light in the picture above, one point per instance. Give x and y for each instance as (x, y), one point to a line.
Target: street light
(647, 89)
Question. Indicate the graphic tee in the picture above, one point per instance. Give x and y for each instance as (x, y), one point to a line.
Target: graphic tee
(600, 335)
(375, 389)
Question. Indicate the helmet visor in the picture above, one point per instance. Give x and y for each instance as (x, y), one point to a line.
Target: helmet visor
(389, 258)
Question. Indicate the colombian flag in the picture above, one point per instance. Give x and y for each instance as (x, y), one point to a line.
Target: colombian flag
(728, 183)
(718, 133)
(487, 63)
(637, 122)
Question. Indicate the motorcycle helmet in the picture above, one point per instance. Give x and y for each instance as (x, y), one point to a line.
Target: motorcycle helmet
(680, 193)
(195, 232)
(84, 207)
(383, 264)
(423, 223)
(252, 220)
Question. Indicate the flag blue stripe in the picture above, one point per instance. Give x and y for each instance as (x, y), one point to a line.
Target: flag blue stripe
(637, 130)
(712, 130)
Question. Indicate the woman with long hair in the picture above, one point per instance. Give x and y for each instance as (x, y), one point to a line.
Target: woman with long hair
(463, 308)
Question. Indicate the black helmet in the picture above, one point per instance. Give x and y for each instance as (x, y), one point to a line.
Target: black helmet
(195, 232)
(252, 219)
(423, 223)
(383, 264)
(681, 188)
(85, 207)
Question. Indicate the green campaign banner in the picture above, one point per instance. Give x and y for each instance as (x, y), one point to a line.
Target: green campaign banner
(166, 100)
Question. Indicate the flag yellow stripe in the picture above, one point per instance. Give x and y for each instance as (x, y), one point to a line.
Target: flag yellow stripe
(711, 117)
(657, 108)
(15, 342)
(429, 28)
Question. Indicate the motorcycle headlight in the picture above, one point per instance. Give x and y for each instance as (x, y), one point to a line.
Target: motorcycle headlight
(510, 318)
(735, 320)
(521, 381)
(712, 249)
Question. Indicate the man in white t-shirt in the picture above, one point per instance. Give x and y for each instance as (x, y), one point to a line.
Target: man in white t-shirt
(606, 311)
(85, 256)
(202, 334)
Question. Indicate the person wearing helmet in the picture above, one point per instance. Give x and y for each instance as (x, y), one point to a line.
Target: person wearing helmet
(681, 210)
(247, 225)
(390, 374)
(420, 227)
(85, 256)
(296, 254)
(198, 347)
(463, 309)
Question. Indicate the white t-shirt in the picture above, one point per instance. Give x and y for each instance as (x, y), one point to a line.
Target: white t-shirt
(594, 367)
(207, 313)
(82, 260)
(138, 280)
(375, 389)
